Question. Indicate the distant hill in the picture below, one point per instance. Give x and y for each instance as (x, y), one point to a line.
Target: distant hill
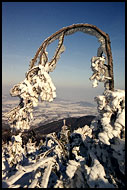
(85, 104)
(54, 126)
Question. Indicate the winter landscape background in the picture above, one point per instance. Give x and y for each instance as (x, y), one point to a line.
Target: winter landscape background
(48, 112)
(85, 151)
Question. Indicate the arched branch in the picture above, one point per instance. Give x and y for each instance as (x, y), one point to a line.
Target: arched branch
(38, 83)
(86, 28)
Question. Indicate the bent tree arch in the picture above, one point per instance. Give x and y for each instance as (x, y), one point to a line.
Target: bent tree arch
(38, 83)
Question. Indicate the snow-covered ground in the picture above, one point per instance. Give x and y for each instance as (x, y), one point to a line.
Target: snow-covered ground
(89, 157)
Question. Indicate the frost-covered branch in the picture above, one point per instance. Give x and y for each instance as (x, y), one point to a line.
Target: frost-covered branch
(26, 169)
(38, 84)
(102, 37)
(100, 71)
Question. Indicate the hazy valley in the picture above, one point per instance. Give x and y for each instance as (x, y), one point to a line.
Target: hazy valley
(47, 112)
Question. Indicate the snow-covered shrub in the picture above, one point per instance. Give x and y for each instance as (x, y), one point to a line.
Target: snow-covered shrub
(111, 108)
(79, 159)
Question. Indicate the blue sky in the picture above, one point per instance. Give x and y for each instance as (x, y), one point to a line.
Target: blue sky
(25, 25)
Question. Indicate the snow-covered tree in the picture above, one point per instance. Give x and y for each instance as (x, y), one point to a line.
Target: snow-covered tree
(38, 83)
(88, 157)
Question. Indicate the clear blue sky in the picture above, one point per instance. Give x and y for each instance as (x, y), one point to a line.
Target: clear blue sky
(25, 25)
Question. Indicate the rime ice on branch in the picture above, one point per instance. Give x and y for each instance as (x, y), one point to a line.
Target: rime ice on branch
(100, 71)
(38, 83)
(111, 108)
